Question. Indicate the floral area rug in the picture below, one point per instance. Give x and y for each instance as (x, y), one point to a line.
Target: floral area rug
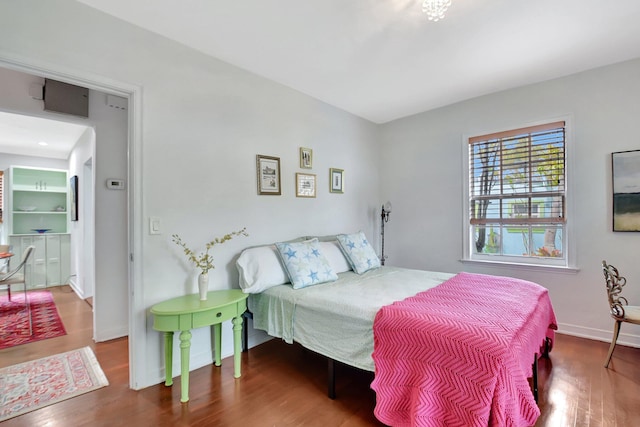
(33, 385)
(14, 319)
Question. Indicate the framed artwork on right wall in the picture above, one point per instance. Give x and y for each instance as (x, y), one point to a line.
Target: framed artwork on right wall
(625, 170)
(336, 177)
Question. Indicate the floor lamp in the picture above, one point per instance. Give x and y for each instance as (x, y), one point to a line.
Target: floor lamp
(384, 217)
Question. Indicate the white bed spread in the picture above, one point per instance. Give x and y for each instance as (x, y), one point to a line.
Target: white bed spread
(336, 319)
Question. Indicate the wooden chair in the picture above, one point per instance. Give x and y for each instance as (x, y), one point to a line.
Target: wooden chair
(619, 308)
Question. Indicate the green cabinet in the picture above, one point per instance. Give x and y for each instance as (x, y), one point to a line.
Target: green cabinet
(50, 261)
(38, 200)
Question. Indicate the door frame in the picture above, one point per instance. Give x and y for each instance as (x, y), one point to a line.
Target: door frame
(137, 325)
(87, 205)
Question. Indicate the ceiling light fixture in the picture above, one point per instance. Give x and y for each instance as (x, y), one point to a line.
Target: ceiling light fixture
(42, 143)
(435, 9)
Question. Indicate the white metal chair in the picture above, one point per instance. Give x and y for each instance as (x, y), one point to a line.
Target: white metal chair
(15, 277)
(619, 308)
(5, 262)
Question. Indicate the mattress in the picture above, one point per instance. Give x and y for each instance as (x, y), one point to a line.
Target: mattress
(335, 319)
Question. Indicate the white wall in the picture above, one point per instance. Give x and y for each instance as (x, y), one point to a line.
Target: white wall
(423, 177)
(203, 122)
(110, 160)
(7, 160)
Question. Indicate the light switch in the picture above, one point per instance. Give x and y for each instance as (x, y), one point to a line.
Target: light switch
(154, 225)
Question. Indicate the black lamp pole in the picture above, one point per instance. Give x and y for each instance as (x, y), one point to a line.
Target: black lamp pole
(384, 217)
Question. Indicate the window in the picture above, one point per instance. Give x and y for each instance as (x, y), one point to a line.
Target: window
(517, 196)
(520, 210)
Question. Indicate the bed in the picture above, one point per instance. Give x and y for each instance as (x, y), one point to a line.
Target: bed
(408, 326)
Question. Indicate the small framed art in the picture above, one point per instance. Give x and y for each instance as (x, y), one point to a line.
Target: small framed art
(268, 171)
(625, 168)
(305, 185)
(306, 158)
(336, 183)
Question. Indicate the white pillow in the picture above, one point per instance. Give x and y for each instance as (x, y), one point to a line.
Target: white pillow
(260, 268)
(305, 263)
(359, 252)
(335, 256)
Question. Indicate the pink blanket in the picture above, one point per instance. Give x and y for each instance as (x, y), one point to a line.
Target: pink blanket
(460, 354)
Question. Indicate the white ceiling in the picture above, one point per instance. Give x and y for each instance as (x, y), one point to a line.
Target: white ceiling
(382, 59)
(378, 59)
(22, 134)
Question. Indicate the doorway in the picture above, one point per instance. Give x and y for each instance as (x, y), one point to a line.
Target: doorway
(110, 302)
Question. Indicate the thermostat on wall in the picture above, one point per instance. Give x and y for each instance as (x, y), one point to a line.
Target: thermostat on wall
(115, 184)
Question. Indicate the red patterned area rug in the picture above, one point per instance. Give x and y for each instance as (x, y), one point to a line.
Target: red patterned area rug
(14, 319)
(33, 385)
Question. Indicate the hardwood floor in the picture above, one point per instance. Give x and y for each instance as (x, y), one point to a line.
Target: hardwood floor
(284, 385)
(77, 318)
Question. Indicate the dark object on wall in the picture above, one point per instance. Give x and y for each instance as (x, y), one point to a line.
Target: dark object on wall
(625, 170)
(65, 98)
(74, 197)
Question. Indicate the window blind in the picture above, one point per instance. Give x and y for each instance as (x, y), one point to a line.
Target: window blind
(518, 176)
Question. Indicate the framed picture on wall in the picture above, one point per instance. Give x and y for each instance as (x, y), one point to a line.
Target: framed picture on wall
(73, 188)
(336, 184)
(306, 158)
(305, 185)
(625, 168)
(268, 171)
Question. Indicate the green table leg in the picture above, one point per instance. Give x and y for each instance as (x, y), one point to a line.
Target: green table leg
(185, 343)
(237, 345)
(217, 333)
(168, 358)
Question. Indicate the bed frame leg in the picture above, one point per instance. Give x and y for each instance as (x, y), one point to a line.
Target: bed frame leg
(331, 378)
(546, 348)
(535, 377)
(245, 330)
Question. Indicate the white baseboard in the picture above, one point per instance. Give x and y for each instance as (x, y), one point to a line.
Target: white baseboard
(256, 338)
(74, 286)
(631, 340)
(112, 334)
(204, 358)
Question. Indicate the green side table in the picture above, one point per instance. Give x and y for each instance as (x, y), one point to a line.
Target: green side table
(188, 312)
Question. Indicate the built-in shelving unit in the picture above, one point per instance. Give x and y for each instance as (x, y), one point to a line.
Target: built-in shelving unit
(38, 200)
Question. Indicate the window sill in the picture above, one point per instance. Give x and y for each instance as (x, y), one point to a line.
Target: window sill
(522, 266)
